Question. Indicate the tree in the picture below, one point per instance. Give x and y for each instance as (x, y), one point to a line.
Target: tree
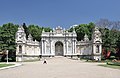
(83, 29)
(116, 25)
(103, 23)
(90, 27)
(118, 46)
(7, 37)
(35, 31)
(26, 30)
(47, 29)
(110, 34)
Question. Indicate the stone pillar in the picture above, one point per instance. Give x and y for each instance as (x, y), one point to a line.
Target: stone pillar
(45, 48)
(17, 49)
(100, 48)
(64, 48)
(75, 47)
(42, 47)
(72, 47)
(67, 48)
(52, 46)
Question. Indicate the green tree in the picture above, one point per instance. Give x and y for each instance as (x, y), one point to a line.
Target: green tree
(118, 46)
(83, 29)
(26, 30)
(7, 37)
(90, 27)
(35, 31)
(47, 29)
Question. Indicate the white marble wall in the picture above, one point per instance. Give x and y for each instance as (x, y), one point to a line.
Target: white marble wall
(70, 45)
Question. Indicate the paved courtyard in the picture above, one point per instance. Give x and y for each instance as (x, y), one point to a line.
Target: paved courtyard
(60, 67)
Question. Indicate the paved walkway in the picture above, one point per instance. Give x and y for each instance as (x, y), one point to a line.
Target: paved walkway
(60, 68)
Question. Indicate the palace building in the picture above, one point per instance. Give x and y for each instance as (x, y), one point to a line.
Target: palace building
(58, 42)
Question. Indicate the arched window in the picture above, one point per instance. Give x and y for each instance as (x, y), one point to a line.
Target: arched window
(97, 48)
(20, 49)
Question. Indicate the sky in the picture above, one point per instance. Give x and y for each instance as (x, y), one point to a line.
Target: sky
(52, 13)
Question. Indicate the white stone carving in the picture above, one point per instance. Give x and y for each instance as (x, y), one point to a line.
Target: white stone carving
(69, 45)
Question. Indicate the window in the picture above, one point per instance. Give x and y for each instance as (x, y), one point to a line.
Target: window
(20, 49)
(97, 48)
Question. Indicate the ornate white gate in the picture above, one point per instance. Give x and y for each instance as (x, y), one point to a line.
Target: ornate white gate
(58, 48)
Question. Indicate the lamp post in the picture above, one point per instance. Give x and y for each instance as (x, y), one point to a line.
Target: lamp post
(7, 56)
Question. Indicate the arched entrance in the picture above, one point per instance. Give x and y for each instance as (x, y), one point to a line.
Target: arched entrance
(58, 48)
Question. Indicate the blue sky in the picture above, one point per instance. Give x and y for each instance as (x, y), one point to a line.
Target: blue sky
(52, 13)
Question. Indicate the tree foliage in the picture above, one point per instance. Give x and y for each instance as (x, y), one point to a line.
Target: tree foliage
(26, 30)
(7, 36)
(110, 35)
(7, 39)
(35, 31)
(105, 23)
(109, 29)
(83, 29)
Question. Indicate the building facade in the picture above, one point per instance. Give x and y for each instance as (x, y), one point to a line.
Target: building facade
(58, 42)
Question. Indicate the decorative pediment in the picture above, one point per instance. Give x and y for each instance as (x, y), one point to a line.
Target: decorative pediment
(58, 29)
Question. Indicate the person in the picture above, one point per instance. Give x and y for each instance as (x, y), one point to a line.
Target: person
(44, 62)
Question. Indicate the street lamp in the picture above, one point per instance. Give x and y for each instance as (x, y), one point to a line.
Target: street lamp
(7, 56)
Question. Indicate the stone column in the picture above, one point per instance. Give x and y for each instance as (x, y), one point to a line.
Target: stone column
(23, 49)
(42, 47)
(72, 47)
(75, 46)
(64, 45)
(17, 49)
(50, 47)
(100, 48)
(45, 48)
(67, 48)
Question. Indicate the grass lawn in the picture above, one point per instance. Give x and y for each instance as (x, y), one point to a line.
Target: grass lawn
(5, 65)
(110, 66)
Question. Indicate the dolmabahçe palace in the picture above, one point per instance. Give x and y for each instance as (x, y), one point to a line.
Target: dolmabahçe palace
(58, 42)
